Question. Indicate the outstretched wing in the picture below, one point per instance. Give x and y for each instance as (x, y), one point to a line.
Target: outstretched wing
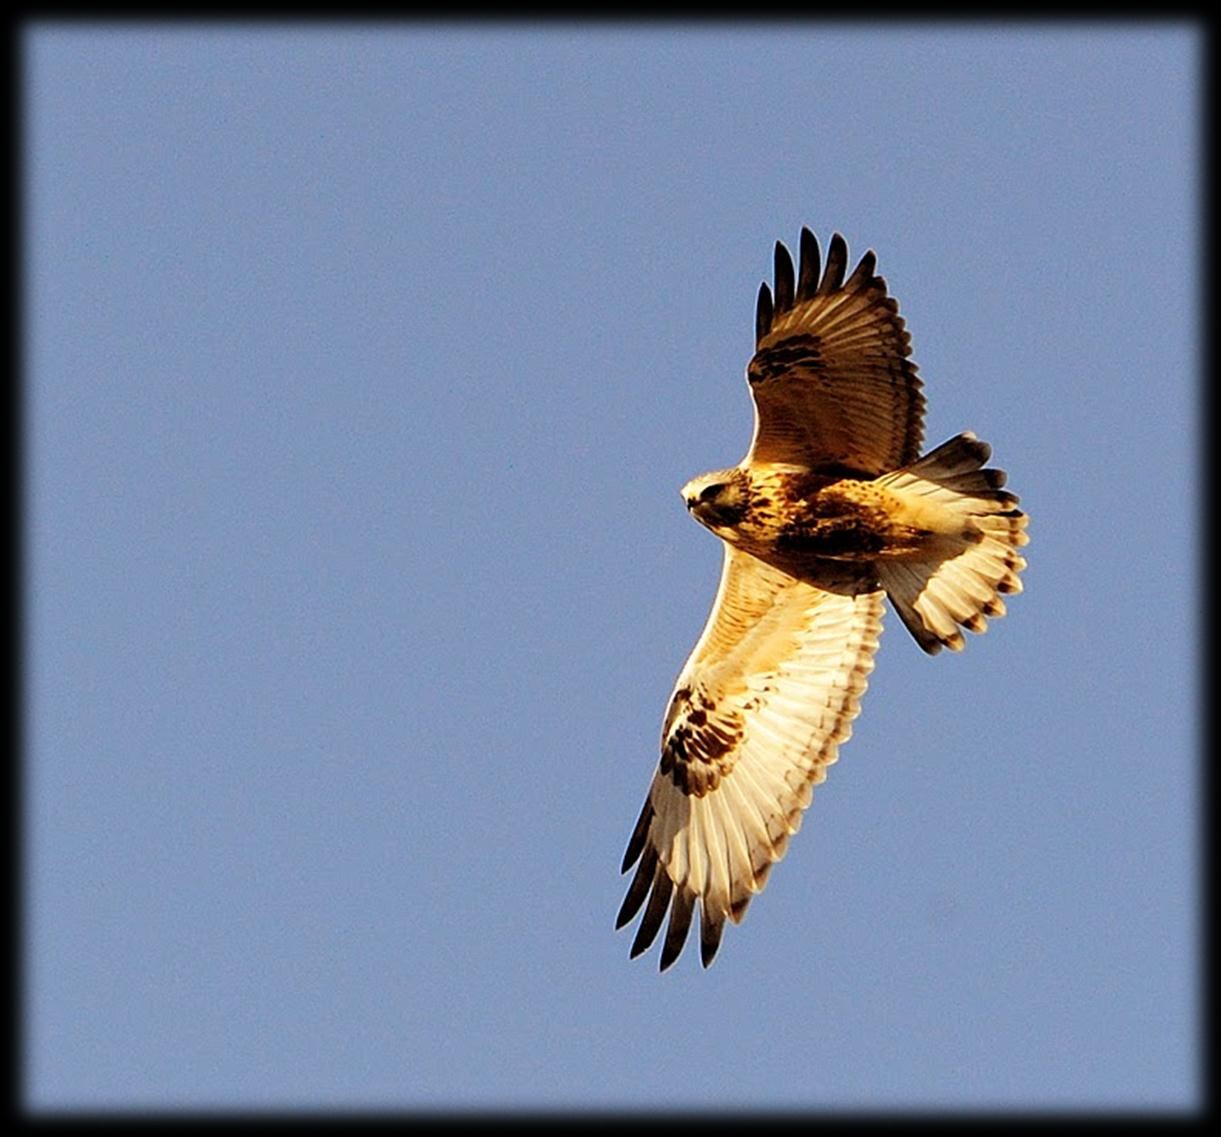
(831, 379)
(756, 716)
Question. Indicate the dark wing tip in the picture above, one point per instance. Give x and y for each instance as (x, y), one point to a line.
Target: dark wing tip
(763, 313)
(654, 912)
(638, 889)
(811, 262)
(640, 833)
(865, 271)
(837, 262)
(710, 935)
(784, 278)
(680, 925)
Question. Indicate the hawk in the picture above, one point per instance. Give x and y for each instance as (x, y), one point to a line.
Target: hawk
(832, 509)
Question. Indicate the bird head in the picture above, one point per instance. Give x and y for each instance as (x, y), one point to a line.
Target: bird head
(718, 499)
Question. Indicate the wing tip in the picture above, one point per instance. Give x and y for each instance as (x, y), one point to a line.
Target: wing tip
(710, 934)
(764, 312)
(654, 912)
(636, 843)
(638, 889)
(837, 262)
(784, 277)
(681, 909)
(811, 263)
(865, 273)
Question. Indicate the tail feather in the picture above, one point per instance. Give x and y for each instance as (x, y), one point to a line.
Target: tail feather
(958, 587)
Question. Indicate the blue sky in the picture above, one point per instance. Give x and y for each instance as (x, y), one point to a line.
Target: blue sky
(363, 366)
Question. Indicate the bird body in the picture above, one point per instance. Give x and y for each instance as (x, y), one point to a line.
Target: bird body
(782, 516)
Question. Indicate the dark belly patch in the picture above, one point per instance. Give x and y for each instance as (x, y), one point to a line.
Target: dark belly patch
(832, 525)
(847, 537)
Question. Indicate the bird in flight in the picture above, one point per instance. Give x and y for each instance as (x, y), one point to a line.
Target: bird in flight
(832, 509)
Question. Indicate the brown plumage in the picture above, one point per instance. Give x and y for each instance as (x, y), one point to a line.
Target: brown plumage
(831, 510)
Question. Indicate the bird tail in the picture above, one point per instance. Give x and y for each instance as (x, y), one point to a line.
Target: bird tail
(959, 583)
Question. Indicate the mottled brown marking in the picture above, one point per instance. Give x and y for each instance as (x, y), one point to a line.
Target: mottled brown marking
(804, 350)
(698, 745)
(803, 486)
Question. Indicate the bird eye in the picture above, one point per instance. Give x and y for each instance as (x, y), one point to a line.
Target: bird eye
(708, 493)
